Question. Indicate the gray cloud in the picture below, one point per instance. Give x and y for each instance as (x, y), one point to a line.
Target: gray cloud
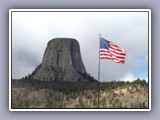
(32, 31)
(23, 62)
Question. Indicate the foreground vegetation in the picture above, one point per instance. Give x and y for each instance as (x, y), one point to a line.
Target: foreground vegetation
(53, 94)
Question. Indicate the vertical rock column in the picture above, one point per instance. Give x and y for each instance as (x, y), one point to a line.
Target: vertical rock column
(61, 62)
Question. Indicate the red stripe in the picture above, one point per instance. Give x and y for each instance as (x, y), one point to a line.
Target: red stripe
(115, 60)
(103, 50)
(120, 57)
(116, 49)
(108, 56)
(111, 43)
(105, 55)
(114, 46)
(122, 60)
(105, 58)
(118, 53)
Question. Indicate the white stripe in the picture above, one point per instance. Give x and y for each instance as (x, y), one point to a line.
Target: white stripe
(107, 53)
(106, 56)
(118, 50)
(103, 49)
(114, 57)
(117, 54)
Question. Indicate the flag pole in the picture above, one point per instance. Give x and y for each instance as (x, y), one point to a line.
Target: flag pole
(99, 69)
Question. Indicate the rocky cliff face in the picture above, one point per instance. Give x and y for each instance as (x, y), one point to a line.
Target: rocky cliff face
(61, 62)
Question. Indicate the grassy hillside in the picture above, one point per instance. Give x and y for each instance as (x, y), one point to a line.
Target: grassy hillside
(115, 94)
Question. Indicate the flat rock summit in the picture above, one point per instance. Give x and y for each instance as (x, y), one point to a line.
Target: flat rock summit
(61, 62)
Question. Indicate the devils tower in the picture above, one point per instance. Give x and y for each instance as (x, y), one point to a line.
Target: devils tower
(61, 62)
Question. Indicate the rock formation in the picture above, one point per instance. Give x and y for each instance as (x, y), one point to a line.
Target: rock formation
(61, 62)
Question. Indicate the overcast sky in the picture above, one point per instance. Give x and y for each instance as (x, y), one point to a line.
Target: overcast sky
(31, 32)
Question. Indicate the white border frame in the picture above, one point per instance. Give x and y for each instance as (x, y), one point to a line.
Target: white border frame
(89, 10)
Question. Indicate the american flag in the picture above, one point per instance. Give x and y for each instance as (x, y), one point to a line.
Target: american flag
(111, 51)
